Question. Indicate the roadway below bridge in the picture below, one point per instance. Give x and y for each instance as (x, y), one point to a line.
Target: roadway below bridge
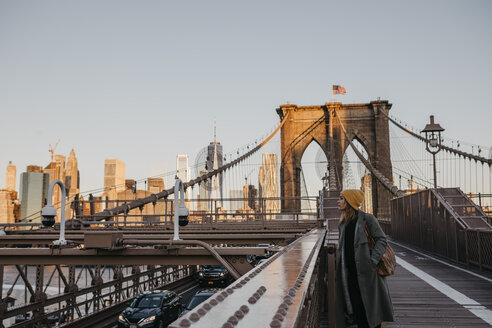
(426, 291)
(186, 297)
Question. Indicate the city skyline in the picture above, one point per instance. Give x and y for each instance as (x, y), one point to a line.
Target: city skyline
(109, 89)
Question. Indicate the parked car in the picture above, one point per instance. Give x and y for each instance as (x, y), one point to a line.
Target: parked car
(151, 309)
(214, 275)
(199, 297)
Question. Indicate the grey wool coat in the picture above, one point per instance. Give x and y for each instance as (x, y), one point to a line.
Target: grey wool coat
(373, 288)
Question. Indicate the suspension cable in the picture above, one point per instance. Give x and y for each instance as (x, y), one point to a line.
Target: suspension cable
(382, 179)
(108, 213)
(451, 150)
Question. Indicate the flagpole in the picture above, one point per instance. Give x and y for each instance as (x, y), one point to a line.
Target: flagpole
(332, 93)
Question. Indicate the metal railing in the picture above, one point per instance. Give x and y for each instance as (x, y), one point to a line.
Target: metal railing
(424, 219)
(485, 203)
(45, 307)
(287, 290)
(202, 211)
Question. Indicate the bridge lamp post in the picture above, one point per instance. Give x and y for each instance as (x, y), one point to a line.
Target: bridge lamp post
(181, 213)
(433, 142)
(49, 212)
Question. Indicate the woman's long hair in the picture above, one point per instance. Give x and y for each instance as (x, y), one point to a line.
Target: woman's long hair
(348, 214)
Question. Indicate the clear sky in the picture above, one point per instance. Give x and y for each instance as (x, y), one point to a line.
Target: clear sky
(142, 81)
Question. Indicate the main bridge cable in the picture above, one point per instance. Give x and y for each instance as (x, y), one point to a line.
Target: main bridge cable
(382, 179)
(108, 213)
(483, 160)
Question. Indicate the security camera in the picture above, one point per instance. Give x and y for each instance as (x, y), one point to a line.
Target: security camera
(48, 213)
(183, 214)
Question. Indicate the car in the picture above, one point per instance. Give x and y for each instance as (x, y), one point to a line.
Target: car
(261, 261)
(268, 252)
(151, 309)
(255, 260)
(199, 297)
(214, 275)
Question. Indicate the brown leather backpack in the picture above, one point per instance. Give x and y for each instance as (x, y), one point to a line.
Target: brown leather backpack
(386, 266)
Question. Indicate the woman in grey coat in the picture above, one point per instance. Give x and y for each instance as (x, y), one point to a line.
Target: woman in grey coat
(362, 296)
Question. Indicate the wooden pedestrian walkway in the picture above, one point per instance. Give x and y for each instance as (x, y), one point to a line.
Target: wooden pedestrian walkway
(427, 292)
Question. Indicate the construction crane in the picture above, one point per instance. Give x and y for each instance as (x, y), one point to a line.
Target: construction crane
(52, 150)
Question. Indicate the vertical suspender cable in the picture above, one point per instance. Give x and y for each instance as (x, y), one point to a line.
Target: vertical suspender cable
(459, 172)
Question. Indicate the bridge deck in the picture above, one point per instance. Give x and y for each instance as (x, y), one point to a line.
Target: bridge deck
(430, 293)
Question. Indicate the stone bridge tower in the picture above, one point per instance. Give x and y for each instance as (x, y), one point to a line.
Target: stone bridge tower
(320, 124)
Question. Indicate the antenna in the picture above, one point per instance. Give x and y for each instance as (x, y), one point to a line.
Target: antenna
(215, 131)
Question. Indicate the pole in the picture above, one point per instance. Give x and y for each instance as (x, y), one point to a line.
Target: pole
(435, 175)
(50, 209)
(177, 188)
(179, 208)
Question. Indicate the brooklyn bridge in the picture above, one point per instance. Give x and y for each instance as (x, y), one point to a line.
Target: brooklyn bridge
(85, 269)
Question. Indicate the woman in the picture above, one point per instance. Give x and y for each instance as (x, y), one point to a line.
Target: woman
(362, 296)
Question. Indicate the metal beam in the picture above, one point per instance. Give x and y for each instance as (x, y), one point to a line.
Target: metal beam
(216, 238)
(128, 256)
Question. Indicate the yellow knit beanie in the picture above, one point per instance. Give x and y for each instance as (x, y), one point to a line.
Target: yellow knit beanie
(354, 197)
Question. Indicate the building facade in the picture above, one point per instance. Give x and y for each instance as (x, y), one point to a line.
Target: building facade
(237, 202)
(183, 172)
(6, 207)
(215, 161)
(10, 177)
(114, 177)
(33, 193)
(268, 184)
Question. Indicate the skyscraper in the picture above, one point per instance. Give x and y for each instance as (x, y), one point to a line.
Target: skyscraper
(183, 171)
(8, 197)
(203, 194)
(237, 203)
(10, 177)
(72, 182)
(56, 171)
(214, 161)
(250, 194)
(6, 207)
(72, 178)
(33, 192)
(367, 189)
(155, 185)
(268, 184)
(114, 177)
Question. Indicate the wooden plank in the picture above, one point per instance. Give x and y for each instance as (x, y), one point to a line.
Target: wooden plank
(417, 304)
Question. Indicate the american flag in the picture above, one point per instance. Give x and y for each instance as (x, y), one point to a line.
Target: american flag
(338, 90)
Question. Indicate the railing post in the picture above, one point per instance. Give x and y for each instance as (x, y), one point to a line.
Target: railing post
(331, 262)
(39, 295)
(97, 281)
(125, 213)
(215, 211)
(1, 282)
(432, 220)
(446, 226)
(479, 246)
(72, 288)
